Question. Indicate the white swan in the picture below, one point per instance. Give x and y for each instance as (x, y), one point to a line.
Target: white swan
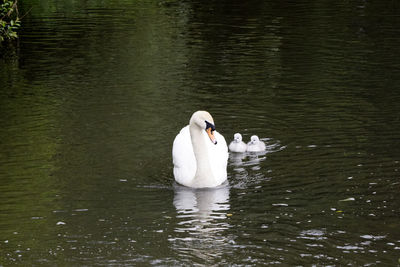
(255, 145)
(237, 145)
(199, 153)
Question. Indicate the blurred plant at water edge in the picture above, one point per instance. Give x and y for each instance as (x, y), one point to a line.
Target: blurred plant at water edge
(9, 20)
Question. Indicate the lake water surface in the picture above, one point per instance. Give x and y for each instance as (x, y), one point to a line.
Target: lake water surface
(94, 92)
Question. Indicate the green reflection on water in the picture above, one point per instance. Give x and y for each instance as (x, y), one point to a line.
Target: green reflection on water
(29, 144)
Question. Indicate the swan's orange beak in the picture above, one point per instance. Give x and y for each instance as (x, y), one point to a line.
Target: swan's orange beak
(211, 135)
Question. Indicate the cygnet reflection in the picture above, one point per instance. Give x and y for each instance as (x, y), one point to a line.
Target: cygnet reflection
(236, 159)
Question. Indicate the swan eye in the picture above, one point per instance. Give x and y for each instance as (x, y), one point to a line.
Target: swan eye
(210, 125)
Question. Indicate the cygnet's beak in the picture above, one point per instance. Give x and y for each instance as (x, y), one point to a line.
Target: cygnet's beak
(211, 135)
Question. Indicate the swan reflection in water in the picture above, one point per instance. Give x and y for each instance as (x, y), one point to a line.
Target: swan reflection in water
(202, 218)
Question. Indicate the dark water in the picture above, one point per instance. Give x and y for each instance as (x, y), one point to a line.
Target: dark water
(94, 93)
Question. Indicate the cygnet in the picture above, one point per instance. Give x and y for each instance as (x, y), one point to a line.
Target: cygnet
(237, 145)
(255, 145)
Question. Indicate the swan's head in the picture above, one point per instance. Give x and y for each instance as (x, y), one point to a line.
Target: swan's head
(237, 137)
(203, 120)
(254, 139)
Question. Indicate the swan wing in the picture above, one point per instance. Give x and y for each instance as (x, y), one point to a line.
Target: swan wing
(183, 157)
(219, 158)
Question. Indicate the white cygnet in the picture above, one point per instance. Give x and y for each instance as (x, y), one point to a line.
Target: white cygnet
(237, 145)
(255, 145)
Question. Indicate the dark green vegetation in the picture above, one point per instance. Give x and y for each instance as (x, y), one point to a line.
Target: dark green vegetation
(9, 20)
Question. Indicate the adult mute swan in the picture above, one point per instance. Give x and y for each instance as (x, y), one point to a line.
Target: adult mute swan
(255, 145)
(237, 145)
(200, 153)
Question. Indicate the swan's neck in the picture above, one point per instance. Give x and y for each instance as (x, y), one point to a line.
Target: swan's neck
(203, 172)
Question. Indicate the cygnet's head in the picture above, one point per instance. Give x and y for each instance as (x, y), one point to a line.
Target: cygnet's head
(254, 139)
(237, 137)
